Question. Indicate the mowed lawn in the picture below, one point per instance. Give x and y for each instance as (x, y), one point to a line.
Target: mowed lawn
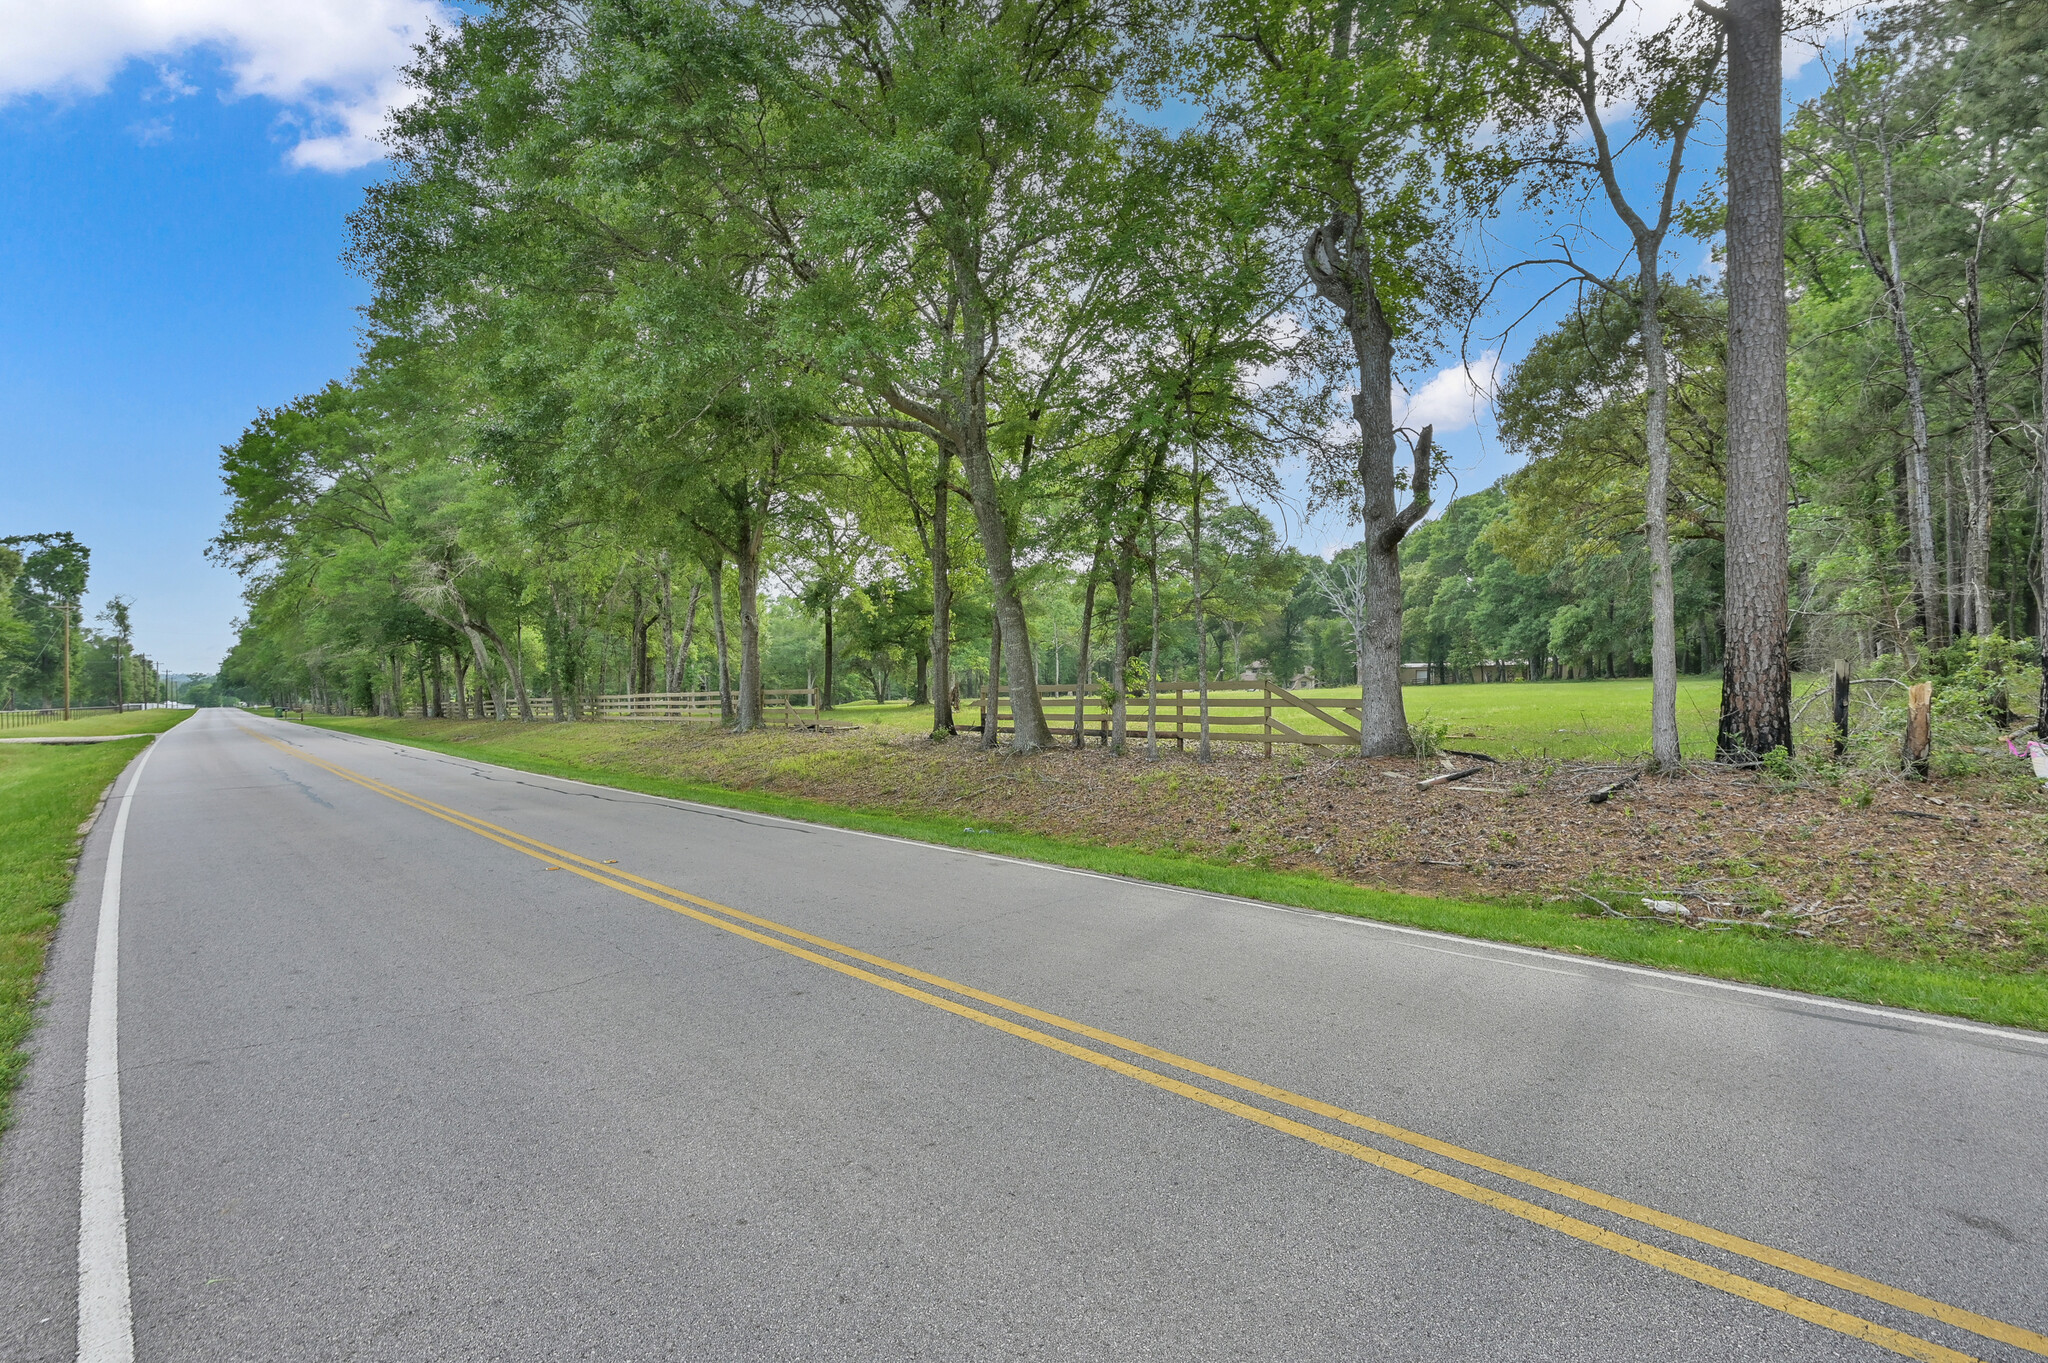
(1576, 719)
(87, 726)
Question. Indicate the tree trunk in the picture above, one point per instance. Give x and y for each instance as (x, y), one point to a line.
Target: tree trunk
(512, 669)
(826, 702)
(1081, 662)
(971, 421)
(990, 728)
(942, 597)
(1919, 484)
(1977, 490)
(1339, 264)
(668, 625)
(1657, 443)
(1152, 666)
(1951, 599)
(749, 565)
(1121, 579)
(483, 671)
(725, 711)
(2041, 509)
(1201, 633)
(461, 681)
(1756, 677)
(643, 624)
(679, 659)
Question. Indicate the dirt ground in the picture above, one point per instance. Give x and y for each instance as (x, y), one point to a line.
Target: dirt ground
(1956, 867)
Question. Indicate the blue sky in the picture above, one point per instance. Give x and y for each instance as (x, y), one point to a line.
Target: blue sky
(173, 217)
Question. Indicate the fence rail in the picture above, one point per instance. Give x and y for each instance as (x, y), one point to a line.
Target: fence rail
(780, 705)
(1261, 713)
(22, 719)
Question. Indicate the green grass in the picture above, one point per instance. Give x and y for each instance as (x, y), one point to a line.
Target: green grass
(578, 751)
(45, 793)
(85, 726)
(1578, 719)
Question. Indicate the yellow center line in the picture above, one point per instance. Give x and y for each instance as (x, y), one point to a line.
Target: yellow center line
(696, 908)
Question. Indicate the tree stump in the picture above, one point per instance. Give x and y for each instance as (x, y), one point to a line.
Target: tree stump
(1919, 728)
(1842, 671)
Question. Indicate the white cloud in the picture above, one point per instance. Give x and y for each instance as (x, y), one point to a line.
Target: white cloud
(1452, 398)
(331, 64)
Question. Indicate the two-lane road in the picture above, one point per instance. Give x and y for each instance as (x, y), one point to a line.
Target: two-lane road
(424, 1059)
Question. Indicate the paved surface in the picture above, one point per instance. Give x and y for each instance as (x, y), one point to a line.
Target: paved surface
(393, 1090)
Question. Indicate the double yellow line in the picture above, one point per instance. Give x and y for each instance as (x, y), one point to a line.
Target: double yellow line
(788, 939)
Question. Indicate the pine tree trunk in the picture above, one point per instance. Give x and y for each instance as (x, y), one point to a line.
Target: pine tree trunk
(725, 709)
(1756, 677)
(2041, 509)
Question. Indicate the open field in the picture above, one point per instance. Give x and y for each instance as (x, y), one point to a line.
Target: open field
(45, 793)
(1925, 896)
(85, 726)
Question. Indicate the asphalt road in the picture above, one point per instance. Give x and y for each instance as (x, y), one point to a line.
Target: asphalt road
(395, 1084)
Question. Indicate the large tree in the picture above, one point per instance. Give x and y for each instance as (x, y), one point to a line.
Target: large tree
(1756, 670)
(1364, 122)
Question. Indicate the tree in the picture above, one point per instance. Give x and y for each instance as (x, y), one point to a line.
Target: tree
(57, 568)
(1756, 669)
(1364, 125)
(116, 613)
(1576, 71)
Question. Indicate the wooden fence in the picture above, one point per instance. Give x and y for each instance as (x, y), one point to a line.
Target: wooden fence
(781, 705)
(791, 706)
(1259, 713)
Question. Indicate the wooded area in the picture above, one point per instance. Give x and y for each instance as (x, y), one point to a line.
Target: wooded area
(732, 348)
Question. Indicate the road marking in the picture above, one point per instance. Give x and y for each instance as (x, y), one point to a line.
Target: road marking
(705, 911)
(106, 1328)
(1471, 948)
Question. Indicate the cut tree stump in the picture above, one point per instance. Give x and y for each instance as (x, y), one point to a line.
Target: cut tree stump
(1919, 746)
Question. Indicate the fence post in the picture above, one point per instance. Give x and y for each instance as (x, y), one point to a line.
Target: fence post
(1180, 724)
(1266, 689)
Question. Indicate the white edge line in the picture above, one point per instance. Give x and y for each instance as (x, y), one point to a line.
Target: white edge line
(106, 1327)
(1485, 951)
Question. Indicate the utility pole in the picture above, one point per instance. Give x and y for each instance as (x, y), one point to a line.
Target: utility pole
(67, 658)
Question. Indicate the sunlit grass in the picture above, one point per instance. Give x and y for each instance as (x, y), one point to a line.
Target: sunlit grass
(45, 793)
(87, 726)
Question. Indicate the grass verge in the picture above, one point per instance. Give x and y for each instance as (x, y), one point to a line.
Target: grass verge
(87, 726)
(2011, 999)
(45, 793)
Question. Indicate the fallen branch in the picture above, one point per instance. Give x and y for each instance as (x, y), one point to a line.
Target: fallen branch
(1475, 756)
(1448, 776)
(1601, 796)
